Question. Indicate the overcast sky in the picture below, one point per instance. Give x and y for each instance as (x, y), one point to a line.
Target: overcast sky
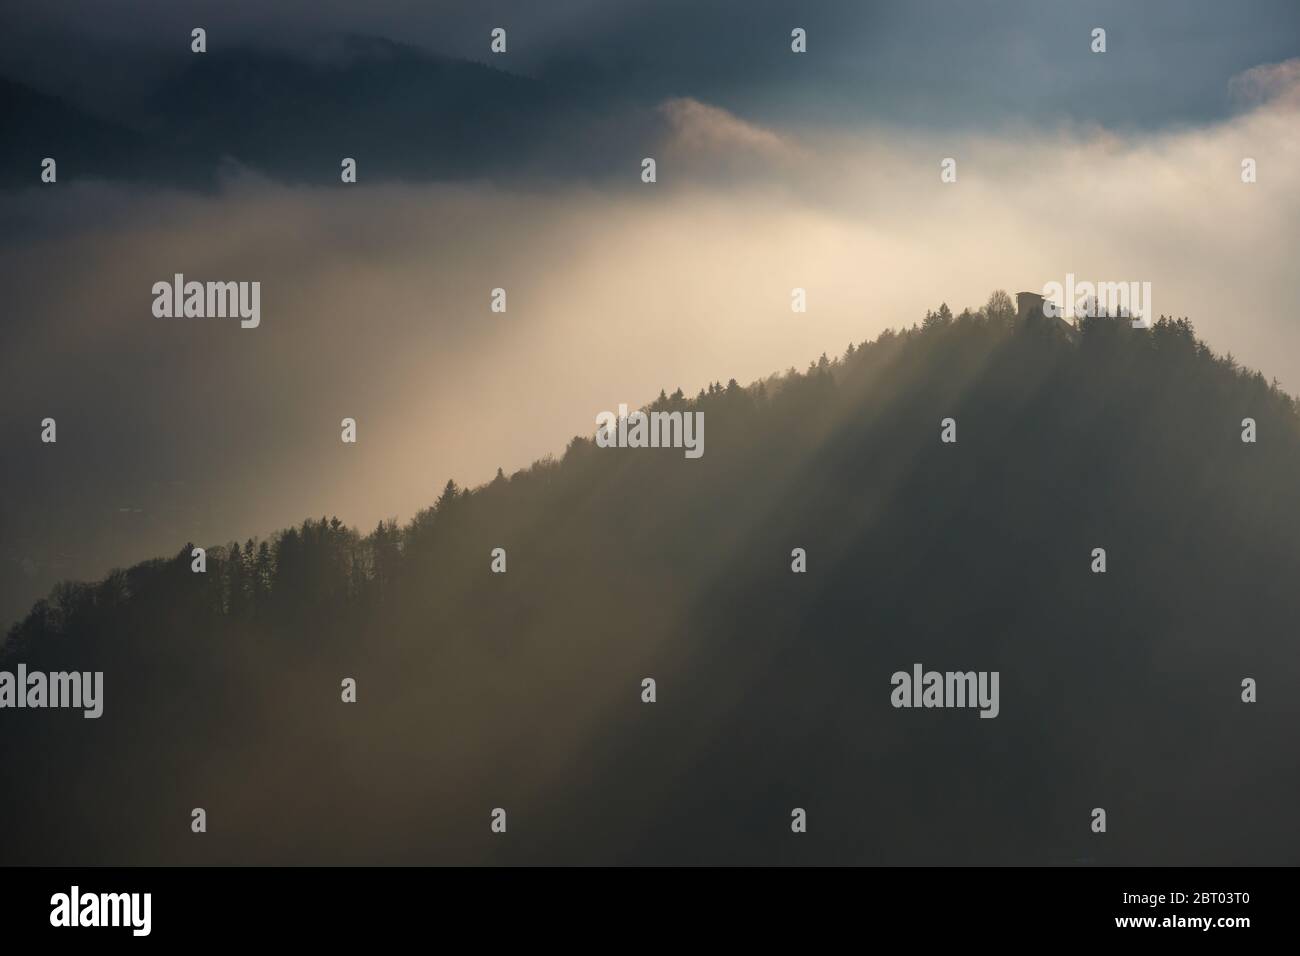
(924, 62)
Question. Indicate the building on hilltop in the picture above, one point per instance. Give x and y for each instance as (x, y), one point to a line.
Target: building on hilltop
(1030, 308)
(1027, 304)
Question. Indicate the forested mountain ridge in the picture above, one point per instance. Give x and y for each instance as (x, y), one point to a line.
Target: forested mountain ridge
(522, 690)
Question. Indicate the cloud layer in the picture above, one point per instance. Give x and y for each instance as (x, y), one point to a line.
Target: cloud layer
(375, 305)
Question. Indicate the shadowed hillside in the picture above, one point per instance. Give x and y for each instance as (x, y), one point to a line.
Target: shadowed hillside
(522, 690)
(400, 112)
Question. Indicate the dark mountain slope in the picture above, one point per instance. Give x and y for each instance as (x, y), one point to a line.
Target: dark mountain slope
(522, 690)
(400, 112)
(34, 126)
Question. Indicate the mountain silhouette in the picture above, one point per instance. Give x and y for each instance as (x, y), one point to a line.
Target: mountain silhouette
(34, 126)
(403, 113)
(522, 690)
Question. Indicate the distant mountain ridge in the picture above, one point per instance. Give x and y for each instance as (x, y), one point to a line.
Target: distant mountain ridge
(401, 112)
(34, 125)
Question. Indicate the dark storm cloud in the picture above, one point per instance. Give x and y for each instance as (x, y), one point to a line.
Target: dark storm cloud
(928, 63)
